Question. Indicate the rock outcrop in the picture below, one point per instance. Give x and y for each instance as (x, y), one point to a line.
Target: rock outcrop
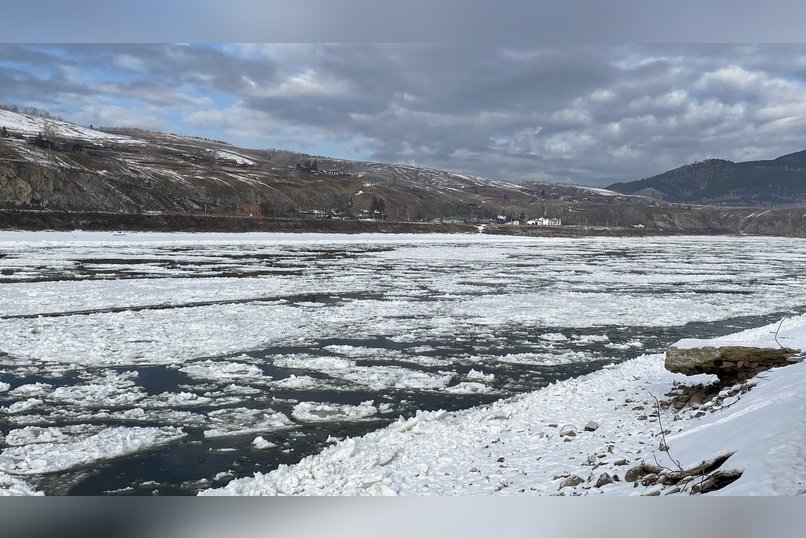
(729, 363)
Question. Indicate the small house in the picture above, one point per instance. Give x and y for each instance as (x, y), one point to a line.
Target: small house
(253, 209)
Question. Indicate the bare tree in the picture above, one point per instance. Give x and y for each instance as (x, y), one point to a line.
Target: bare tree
(49, 132)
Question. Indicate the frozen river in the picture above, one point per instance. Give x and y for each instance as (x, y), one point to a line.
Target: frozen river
(169, 363)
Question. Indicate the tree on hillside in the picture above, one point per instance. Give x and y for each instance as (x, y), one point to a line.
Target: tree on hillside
(309, 166)
(4, 132)
(49, 132)
(378, 204)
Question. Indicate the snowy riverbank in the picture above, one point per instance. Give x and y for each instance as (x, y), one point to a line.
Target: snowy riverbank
(522, 445)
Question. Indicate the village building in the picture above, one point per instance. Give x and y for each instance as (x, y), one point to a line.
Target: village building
(368, 214)
(339, 172)
(253, 209)
(544, 221)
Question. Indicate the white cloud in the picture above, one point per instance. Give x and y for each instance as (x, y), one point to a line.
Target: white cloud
(309, 83)
(591, 114)
(131, 63)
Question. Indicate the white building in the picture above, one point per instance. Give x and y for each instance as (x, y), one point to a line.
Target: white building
(544, 221)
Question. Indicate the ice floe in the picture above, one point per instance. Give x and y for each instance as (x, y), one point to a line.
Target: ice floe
(63, 454)
(330, 412)
(238, 421)
(224, 326)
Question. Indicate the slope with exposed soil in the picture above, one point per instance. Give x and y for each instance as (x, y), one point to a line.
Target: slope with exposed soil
(54, 166)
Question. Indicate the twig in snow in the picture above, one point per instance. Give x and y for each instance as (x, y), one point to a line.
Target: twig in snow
(665, 446)
(776, 333)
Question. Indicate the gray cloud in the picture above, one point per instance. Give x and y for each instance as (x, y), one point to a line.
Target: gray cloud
(585, 113)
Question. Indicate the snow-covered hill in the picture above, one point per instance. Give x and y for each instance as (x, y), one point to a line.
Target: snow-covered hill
(26, 125)
(566, 438)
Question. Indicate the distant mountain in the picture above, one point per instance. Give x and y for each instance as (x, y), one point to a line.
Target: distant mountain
(780, 181)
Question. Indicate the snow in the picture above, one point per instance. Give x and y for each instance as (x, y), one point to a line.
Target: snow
(541, 359)
(307, 362)
(299, 382)
(239, 421)
(395, 377)
(586, 338)
(554, 337)
(469, 387)
(22, 406)
(238, 158)
(789, 332)
(14, 486)
(231, 320)
(60, 454)
(325, 412)
(478, 375)
(36, 434)
(261, 444)
(31, 125)
(515, 446)
(597, 190)
(223, 370)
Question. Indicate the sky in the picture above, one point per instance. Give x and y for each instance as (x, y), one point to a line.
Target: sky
(582, 113)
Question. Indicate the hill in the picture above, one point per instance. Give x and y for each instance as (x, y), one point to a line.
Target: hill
(780, 181)
(51, 164)
(55, 174)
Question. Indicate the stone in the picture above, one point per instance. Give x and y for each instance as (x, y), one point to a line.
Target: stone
(571, 481)
(698, 397)
(620, 461)
(604, 480)
(649, 479)
(717, 480)
(641, 470)
(633, 474)
(591, 426)
(728, 363)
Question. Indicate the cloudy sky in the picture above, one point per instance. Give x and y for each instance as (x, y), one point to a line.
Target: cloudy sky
(590, 114)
